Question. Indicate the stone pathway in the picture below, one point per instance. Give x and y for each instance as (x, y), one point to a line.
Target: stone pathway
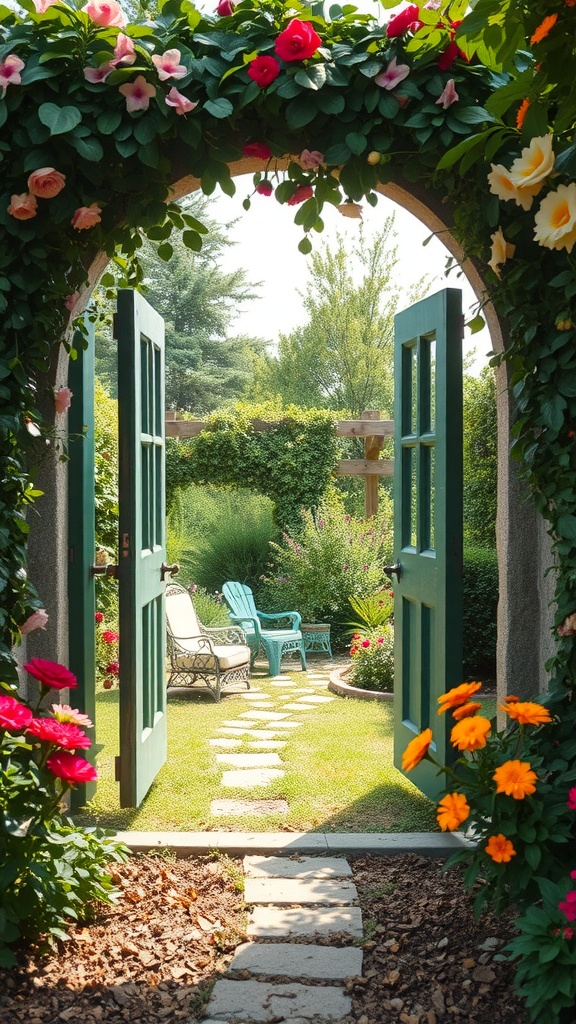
(297, 981)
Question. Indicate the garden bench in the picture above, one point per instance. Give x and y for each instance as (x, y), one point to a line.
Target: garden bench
(275, 643)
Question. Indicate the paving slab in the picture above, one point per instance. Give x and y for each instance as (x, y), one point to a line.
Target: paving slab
(297, 960)
(287, 725)
(233, 723)
(186, 844)
(243, 808)
(225, 741)
(263, 716)
(274, 922)
(278, 681)
(249, 778)
(296, 707)
(318, 698)
(254, 695)
(267, 744)
(282, 891)
(261, 1003)
(296, 867)
(249, 760)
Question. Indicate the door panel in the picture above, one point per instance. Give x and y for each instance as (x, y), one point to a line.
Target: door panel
(427, 523)
(142, 546)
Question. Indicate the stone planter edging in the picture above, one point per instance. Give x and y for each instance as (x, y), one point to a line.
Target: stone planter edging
(338, 685)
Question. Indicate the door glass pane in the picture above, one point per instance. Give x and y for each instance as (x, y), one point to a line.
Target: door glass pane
(413, 499)
(425, 667)
(145, 383)
(414, 390)
(432, 364)
(408, 707)
(424, 497)
(145, 503)
(432, 485)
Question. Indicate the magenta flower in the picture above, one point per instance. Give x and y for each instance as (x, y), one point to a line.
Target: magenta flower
(572, 799)
(448, 96)
(109, 636)
(568, 907)
(10, 70)
(62, 401)
(51, 673)
(105, 13)
(168, 66)
(264, 188)
(225, 8)
(70, 767)
(13, 714)
(302, 193)
(311, 160)
(138, 93)
(257, 149)
(393, 75)
(365, 643)
(37, 620)
(181, 104)
(62, 734)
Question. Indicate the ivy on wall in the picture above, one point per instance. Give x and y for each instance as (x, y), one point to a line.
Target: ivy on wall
(291, 462)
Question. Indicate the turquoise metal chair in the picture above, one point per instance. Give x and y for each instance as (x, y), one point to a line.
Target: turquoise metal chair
(275, 643)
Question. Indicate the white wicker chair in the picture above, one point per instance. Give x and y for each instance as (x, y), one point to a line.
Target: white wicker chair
(214, 657)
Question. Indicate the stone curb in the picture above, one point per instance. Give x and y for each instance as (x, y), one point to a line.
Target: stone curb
(187, 844)
(337, 685)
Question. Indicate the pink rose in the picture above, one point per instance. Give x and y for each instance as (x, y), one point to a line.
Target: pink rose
(109, 636)
(70, 767)
(13, 714)
(46, 182)
(311, 159)
(138, 94)
(105, 13)
(23, 207)
(62, 399)
(302, 193)
(37, 620)
(51, 673)
(181, 104)
(86, 217)
(257, 149)
(225, 8)
(63, 734)
(168, 66)
(263, 70)
(264, 188)
(298, 41)
(43, 5)
(10, 70)
(71, 300)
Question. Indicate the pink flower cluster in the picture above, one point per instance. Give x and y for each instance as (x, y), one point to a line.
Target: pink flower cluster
(46, 183)
(568, 906)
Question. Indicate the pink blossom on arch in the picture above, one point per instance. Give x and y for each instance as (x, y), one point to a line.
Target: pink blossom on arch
(86, 217)
(181, 104)
(37, 620)
(124, 52)
(225, 8)
(10, 69)
(23, 207)
(265, 188)
(62, 399)
(572, 798)
(448, 96)
(393, 75)
(302, 193)
(311, 160)
(105, 13)
(71, 301)
(138, 93)
(168, 66)
(97, 75)
(43, 5)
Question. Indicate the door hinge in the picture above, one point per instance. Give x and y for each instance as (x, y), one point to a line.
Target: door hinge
(117, 768)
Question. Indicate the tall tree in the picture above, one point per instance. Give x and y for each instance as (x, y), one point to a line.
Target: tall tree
(342, 357)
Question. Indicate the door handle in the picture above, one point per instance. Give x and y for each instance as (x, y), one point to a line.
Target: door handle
(170, 570)
(394, 570)
(110, 569)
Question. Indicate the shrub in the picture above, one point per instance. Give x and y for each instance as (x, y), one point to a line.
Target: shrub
(372, 611)
(480, 458)
(209, 608)
(50, 870)
(107, 639)
(480, 593)
(372, 654)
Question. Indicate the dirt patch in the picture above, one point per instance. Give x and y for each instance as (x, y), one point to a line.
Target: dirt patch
(155, 955)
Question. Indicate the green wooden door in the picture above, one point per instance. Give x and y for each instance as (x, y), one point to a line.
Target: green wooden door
(427, 523)
(142, 546)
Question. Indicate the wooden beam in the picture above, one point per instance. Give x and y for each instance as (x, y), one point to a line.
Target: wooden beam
(365, 467)
(372, 448)
(365, 428)
(184, 428)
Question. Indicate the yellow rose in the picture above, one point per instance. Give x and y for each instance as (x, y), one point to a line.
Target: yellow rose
(534, 164)
(501, 251)
(501, 185)
(556, 219)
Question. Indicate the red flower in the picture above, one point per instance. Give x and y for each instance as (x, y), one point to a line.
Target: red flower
(258, 149)
(452, 51)
(113, 669)
(70, 767)
(354, 649)
(225, 8)
(298, 41)
(99, 617)
(13, 714)
(366, 643)
(265, 188)
(109, 636)
(50, 673)
(302, 193)
(63, 734)
(405, 21)
(263, 71)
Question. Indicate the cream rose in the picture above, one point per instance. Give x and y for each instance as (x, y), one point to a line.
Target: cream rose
(23, 207)
(501, 185)
(86, 217)
(46, 182)
(556, 219)
(534, 164)
(501, 251)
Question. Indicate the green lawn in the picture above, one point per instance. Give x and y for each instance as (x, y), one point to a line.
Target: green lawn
(338, 771)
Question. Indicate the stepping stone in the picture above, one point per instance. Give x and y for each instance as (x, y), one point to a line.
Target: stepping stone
(278, 681)
(281, 891)
(263, 716)
(297, 960)
(273, 922)
(236, 725)
(257, 808)
(224, 741)
(249, 760)
(289, 1002)
(300, 867)
(267, 744)
(296, 707)
(316, 699)
(249, 778)
(254, 695)
(287, 725)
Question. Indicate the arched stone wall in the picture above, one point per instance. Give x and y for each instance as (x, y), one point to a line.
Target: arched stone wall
(525, 587)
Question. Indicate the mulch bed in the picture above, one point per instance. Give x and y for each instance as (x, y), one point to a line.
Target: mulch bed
(154, 955)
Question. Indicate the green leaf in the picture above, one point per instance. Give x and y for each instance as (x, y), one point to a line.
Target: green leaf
(473, 115)
(108, 121)
(311, 78)
(192, 240)
(219, 108)
(300, 112)
(90, 149)
(566, 527)
(305, 246)
(165, 251)
(330, 102)
(552, 411)
(356, 142)
(59, 119)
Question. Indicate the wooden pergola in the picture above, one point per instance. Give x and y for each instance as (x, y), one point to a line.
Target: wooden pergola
(369, 426)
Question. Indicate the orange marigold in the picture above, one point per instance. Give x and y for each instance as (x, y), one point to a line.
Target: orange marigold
(516, 779)
(500, 849)
(527, 712)
(470, 733)
(416, 750)
(522, 111)
(457, 695)
(544, 28)
(453, 809)
(467, 710)
(512, 698)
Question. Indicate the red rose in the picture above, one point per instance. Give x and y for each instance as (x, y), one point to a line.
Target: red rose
(63, 734)
(113, 668)
(452, 51)
(13, 714)
(406, 20)
(99, 617)
(366, 643)
(302, 193)
(225, 8)
(109, 636)
(298, 41)
(50, 673)
(265, 188)
(354, 650)
(258, 149)
(70, 767)
(263, 71)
